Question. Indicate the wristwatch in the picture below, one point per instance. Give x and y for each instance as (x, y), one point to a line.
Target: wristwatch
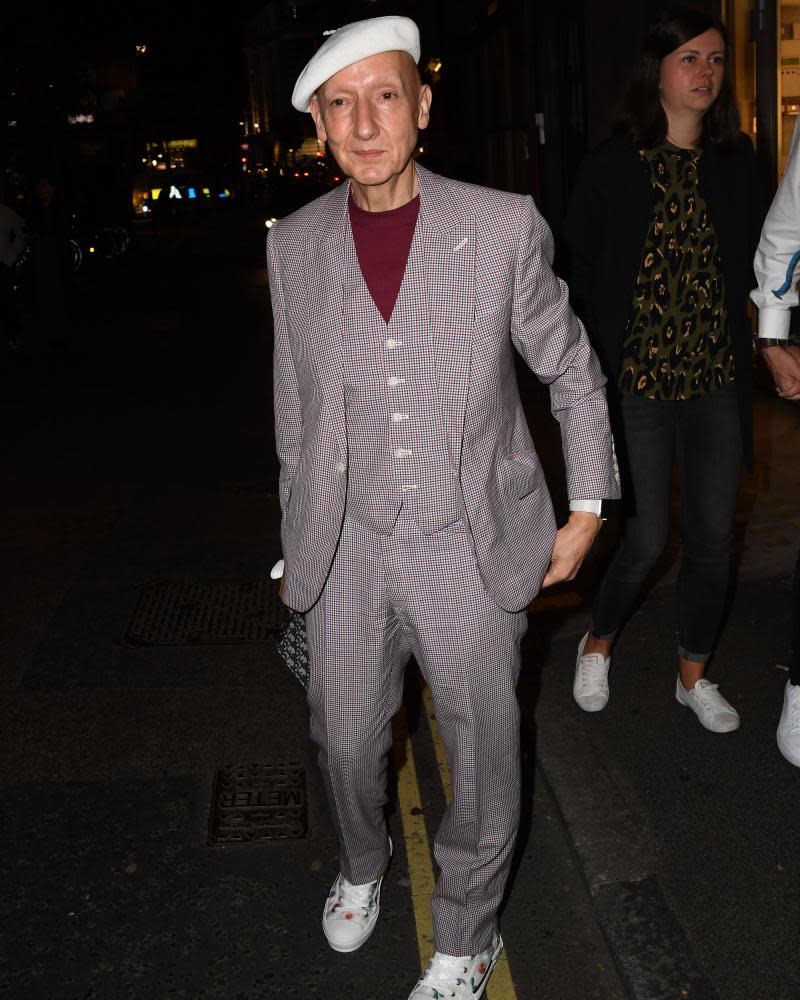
(762, 343)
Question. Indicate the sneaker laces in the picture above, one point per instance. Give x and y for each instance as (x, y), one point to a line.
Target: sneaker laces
(443, 973)
(709, 697)
(592, 669)
(351, 898)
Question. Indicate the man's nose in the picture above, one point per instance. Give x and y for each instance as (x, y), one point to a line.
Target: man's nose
(365, 124)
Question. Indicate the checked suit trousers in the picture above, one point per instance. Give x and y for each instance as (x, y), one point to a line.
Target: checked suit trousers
(388, 597)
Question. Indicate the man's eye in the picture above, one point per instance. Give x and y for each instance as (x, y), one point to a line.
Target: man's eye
(337, 102)
(388, 95)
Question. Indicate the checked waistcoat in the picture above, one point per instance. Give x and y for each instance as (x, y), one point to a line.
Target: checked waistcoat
(396, 442)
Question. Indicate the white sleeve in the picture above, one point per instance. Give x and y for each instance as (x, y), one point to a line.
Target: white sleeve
(590, 506)
(778, 252)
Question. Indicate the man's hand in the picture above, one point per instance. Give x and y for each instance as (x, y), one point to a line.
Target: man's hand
(572, 545)
(784, 366)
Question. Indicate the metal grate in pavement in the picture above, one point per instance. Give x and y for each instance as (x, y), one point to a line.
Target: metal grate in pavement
(254, 802)
(184, 612)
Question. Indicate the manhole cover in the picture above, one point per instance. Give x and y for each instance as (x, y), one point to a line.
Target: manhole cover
(183, 612)
(252, 802)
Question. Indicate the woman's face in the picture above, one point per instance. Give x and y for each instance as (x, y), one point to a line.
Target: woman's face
(692, 75)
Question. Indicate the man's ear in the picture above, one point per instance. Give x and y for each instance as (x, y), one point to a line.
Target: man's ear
(316, 114)
(425, 98)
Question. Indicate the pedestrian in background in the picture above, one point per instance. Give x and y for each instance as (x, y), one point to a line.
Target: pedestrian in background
(416, 519)
(775, 265)
(660, 231)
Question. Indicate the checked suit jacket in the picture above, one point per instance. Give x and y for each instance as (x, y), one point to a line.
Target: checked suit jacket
(489, 289)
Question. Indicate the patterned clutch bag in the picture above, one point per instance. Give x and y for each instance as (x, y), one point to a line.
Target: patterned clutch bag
(292, 647)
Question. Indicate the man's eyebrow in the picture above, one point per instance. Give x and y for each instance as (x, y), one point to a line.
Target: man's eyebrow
(378, 85)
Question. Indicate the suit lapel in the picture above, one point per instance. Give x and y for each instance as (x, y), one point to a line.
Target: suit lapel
(330, 259)
(447, 240)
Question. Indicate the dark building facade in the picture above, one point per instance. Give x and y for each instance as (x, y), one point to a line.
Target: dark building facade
(522, 88)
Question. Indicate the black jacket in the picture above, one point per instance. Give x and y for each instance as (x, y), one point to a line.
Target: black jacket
(605, 229)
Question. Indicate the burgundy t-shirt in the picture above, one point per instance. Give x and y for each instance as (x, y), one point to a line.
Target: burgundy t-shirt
(383, 243)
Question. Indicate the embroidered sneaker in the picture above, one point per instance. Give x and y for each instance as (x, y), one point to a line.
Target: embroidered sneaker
(590, 687)
(713, 711)
(351, 912)
(464, 978)
(789, 725)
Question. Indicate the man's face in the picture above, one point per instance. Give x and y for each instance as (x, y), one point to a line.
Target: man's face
(370, 113)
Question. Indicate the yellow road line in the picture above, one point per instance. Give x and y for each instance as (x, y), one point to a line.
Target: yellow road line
(501, 986)
(420, 867)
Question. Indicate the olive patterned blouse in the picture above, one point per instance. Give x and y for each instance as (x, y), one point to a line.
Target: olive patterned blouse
(676, 343)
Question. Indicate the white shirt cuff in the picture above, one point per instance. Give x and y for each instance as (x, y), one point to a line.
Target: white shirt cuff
(591, 506)
(774, 323)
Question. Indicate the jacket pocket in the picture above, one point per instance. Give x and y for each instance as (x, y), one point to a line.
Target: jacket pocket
(519, 475)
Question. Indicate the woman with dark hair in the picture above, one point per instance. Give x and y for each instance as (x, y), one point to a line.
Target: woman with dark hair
(661, 231)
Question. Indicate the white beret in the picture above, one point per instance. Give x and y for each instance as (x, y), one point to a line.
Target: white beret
(350, 44)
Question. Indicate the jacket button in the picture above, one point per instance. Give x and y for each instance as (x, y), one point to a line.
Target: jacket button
(341, 467)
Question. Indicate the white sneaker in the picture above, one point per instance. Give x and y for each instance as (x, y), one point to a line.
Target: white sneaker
(789, 725)
(351, 912)
(713, 711)
(590, 686)
(464, 977)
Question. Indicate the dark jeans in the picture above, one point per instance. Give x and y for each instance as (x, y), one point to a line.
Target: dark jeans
(705, 434)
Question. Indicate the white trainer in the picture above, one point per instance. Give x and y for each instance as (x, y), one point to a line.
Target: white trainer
(789, 725)
(462, 978)
(590, 687)
(351, 912)
(713, 711)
